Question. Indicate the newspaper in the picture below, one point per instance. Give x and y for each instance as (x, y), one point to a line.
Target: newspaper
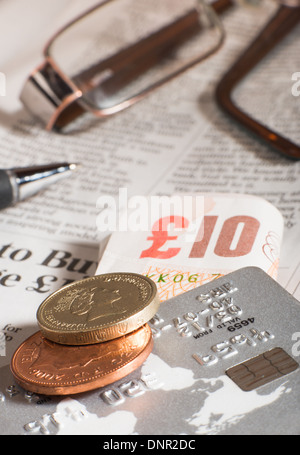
(176, 141)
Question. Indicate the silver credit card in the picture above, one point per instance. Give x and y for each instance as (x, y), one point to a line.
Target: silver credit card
(225, 361)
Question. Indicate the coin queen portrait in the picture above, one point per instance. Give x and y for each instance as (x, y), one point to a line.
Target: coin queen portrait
(98, 309)
(92, 303)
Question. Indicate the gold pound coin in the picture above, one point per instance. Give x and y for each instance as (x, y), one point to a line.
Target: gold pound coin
(98, 309)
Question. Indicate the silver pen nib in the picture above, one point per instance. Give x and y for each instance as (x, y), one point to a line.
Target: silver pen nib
(28, 181)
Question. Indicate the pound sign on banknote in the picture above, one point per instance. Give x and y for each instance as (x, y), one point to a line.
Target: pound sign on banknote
(161, 236)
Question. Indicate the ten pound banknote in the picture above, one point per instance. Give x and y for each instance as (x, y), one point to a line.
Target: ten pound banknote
(186, 242)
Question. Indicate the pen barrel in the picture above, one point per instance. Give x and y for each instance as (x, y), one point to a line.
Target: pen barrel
(6, 190)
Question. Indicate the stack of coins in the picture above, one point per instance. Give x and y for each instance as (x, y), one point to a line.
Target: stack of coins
(92, 332)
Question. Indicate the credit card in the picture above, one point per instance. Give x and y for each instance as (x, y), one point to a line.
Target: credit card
(225, 361)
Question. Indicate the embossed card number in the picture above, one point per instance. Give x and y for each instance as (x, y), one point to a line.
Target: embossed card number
(214, 311)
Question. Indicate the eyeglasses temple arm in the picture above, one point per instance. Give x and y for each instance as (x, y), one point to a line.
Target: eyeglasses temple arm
(284, 20)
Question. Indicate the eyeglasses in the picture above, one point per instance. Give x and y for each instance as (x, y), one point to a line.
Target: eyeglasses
(264, 74)
(121, 50)
(118, 52)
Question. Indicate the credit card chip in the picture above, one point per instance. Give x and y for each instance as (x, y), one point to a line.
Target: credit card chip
(261, 370)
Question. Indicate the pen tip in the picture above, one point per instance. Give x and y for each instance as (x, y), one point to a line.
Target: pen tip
(73, 166)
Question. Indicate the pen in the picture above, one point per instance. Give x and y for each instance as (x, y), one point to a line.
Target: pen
(17, 184)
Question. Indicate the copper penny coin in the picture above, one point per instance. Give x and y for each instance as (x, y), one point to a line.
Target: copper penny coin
(42, 366)
(98, 309)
